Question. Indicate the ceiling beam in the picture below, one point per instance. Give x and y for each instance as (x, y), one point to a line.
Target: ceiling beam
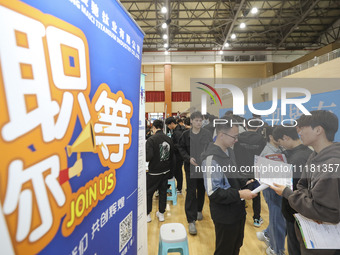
(252, 33)
(203, 1)
(302, 18)
(331, 34)
(279, 23)
(203, 10)
(233, 23)
(245, 19)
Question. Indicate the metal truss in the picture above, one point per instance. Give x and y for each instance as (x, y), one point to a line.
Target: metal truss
(207, 24)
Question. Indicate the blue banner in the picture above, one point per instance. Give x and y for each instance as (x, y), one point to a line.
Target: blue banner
(69, 100)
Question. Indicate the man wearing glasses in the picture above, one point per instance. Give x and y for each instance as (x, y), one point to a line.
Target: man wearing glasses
(223, 186)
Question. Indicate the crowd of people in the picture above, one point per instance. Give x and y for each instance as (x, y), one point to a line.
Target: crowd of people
(197, 144)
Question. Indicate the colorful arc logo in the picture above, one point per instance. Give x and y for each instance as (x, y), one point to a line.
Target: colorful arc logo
(209, 93)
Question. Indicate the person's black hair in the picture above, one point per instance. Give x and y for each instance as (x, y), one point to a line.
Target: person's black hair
(212, 117)
(229, 114)
(187, 121)
(254, 122)
(158, 124)
(196, 114)
(206, 116)
(242, 121)
(238, 118)
(256, 116)
(280, 131)
(225, 127)
(268, 131)
(170, 120)
(179, 121)
(326, 119)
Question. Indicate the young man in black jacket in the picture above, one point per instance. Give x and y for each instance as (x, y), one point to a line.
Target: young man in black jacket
(297, 155)
(250, 143)
(191, 145)
(177, 131)
(160, 155)
(223, 185)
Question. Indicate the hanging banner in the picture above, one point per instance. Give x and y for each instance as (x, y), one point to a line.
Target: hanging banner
(69, 100)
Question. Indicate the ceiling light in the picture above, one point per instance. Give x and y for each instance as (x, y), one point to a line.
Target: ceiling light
(254, 10)
(165, 36)
(220, 52)
(166, 45)
(166, 52)
(233, 36)
(242, 25)
(164, 25)
(226, 45)
(164, 9)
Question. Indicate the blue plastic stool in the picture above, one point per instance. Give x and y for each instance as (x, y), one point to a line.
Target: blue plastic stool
(173, 191)
(173, 238)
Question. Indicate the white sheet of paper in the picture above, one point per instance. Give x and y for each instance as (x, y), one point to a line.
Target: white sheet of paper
(318, 236)
(270, 171)
(259, 188)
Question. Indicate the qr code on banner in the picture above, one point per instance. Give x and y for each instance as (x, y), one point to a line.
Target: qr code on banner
(125, 231)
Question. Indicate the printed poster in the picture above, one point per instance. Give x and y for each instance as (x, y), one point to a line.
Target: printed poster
(69, 100)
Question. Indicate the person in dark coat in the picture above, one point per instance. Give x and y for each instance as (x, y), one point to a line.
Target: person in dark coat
(250, 143)
(160, 155)
(297, 155)
(191, 145)
(177, 131)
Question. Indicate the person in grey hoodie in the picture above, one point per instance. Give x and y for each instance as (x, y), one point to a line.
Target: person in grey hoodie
(317, 196)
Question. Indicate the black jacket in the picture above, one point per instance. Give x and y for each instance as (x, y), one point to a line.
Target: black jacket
(176, 135)
(249, 144)
(192, 145)
(226, 206)
(297, 157)
(210, 127)
(160, 153)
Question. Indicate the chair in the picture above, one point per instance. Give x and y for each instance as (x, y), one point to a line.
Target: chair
(173, 238)
(173, 191)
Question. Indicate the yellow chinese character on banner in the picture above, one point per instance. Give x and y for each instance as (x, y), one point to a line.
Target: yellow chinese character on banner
(113, 128)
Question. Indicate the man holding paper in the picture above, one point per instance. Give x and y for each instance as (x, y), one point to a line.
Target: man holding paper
(297, 154)
(223, 187)
(318, 192)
